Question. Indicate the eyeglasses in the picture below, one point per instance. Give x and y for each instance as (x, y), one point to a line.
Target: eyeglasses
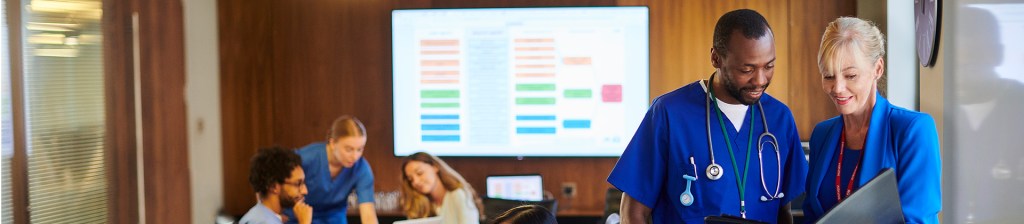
(297, 184)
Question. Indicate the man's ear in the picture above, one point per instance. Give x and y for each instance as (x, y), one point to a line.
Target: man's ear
(716, 61)
(276, 189)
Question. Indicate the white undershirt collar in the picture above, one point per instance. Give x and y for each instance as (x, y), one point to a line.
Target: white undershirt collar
(735, 112)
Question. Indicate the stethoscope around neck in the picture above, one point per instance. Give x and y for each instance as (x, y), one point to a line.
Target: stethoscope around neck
(714, 171)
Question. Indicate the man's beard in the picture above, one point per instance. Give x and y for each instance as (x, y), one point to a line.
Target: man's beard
(737, 92)
(288, 202)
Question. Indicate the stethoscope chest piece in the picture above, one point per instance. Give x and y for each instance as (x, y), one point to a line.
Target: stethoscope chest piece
(714, 171)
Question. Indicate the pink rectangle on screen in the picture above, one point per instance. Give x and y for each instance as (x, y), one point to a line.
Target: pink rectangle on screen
(611, 93)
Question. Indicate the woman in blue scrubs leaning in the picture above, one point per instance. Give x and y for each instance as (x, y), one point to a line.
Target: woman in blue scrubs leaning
(870, 134)
(334, 170)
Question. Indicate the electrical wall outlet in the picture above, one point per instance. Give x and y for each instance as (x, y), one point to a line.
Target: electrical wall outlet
(568, 189)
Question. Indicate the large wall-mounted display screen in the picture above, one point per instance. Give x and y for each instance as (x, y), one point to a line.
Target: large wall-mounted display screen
(567, 81)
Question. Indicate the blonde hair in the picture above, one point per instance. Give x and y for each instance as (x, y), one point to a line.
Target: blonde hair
(418, 205)
(345, 126)
(846, 34)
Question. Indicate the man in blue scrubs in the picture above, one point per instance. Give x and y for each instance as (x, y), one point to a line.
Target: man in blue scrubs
(668, 172)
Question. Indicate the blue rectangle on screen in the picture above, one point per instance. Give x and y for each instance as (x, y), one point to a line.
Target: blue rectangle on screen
(535, 130)
(535, 117)
(439, 116)
(440, 127)
(576, 123)
(440, 138)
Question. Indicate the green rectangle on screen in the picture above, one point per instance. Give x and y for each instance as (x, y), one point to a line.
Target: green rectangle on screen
(439, 105)
(578, 93)
(535, 100)
(439, 93)
(535, 87)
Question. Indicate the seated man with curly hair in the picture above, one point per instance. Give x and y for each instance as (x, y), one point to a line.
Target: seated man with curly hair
(277, 177)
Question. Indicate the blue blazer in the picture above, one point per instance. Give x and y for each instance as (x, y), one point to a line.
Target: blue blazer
(898, 138)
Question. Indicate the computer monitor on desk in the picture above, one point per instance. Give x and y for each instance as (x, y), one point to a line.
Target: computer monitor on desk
(523, 187)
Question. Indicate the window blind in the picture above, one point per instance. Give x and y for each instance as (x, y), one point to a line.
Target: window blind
(64, 111)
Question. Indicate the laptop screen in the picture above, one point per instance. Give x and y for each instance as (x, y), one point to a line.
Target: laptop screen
(516, 187)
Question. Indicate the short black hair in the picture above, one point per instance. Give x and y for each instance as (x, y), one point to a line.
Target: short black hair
(271, 166)
(749, 22)
(526, 214)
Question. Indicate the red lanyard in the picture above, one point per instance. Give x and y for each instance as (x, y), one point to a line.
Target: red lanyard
(839, 168)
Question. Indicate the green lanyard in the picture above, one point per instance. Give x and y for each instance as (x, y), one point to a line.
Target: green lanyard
(741, 184)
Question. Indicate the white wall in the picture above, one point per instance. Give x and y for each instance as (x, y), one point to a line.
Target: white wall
(202, 66)
(896, 20)
(901, 55)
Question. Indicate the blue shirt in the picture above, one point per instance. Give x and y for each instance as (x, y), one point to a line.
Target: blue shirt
(674, 129)
(904, 140)
(329, 198)
(260, 214)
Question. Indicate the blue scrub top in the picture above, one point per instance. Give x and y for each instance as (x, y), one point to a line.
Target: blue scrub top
(329, 198)
(652, 166)
(904, 140)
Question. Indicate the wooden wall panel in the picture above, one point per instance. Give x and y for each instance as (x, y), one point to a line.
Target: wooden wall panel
(246, 65)
(289, 69)
(333, 59)
(164, 129)
(681, 36)
(121, 150)
(813, 105)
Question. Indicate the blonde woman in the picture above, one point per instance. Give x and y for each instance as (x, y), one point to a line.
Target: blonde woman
(432, 188)
(336, 168)
(870, 134)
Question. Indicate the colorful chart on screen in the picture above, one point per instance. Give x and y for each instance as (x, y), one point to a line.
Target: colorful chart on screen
(519, 82)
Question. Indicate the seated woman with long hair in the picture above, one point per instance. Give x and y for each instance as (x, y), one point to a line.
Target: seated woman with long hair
(432, 188)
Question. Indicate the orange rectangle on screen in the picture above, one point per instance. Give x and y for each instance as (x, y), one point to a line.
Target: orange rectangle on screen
(439, 63)
(440, 81)
(576, 61)
(535, 66)
(535, 48)
(438, 52)
(534, 57)
(535, 40)
(440, 72)
(439, 42)
(534, 75)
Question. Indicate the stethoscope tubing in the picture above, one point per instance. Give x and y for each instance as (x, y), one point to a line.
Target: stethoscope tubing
(778, 158)
(773, 141)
